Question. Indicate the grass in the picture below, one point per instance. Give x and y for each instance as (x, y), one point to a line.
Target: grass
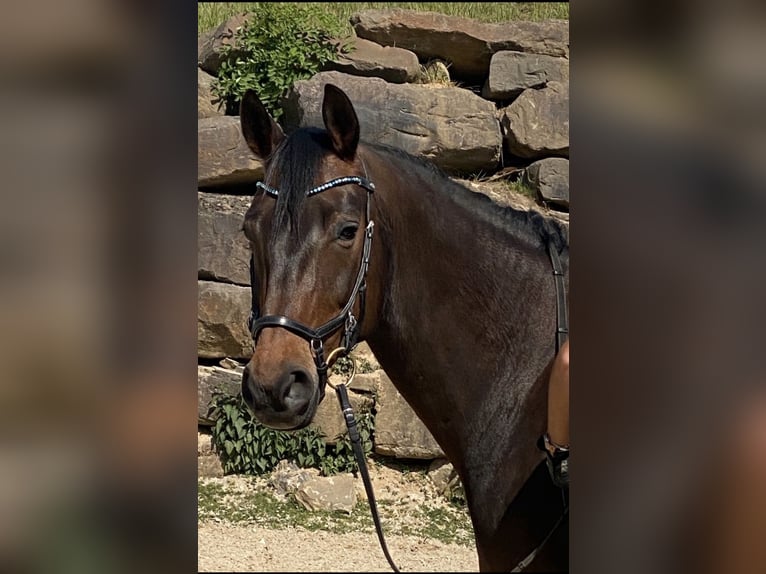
(440, 524)
(449, 524)
(522, 188)
(211, 14)
(215, 502)
(435, 72)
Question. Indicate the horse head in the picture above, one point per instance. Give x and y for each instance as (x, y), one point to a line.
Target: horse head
(310, 234)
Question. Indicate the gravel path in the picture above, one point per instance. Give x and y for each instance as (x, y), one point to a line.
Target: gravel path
(226, 545)
(236, 548)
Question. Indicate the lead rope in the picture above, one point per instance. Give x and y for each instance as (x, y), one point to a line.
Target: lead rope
(361, 461)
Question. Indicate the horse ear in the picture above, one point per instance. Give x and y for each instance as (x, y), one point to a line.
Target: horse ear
(341, 121)
(261, 132)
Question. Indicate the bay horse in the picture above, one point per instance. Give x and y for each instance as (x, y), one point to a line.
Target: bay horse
(455, 297)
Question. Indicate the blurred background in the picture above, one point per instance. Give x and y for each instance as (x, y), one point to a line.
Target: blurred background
(98, 286)
(668, 202)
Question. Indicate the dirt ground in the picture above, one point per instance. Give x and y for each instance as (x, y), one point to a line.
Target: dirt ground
(226, 546)
(236, 548)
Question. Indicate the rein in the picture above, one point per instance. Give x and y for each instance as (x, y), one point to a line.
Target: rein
(346, 318)
(562, 322)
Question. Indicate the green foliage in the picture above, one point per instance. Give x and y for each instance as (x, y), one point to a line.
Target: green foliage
(247, 447)
(279, 44)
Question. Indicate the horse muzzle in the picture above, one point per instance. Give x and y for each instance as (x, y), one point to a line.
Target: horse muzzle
(288, 401)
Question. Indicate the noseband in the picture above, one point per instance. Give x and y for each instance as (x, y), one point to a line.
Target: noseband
(345, 318)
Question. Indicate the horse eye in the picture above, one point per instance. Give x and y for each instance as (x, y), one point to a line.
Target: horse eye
(348, 231)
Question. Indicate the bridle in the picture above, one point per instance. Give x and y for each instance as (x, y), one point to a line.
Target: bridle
(345, 318)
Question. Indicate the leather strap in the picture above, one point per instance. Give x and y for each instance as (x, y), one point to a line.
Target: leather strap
(562, 320)
(361, 463)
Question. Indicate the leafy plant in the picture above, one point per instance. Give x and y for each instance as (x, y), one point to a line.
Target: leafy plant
(279, 44)
(248, 447)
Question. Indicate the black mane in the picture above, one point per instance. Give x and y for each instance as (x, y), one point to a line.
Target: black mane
(296, 161)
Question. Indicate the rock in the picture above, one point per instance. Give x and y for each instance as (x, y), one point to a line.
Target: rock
(443, 475)
(373, 60)
(287, 478)
(536, 124)
(209, 466)
(222, 312)
(232, 365)
(365, 383)
(329, 420)
(212, 381)
(366, 361)
(223, 252)
(333, 493)
(222, 155)
(467, 44)
(510, 73)
(398, 430)
(224, 203)
(207, 104)
(204, 444)
(550, 177)
(453, 127)
(210, 45)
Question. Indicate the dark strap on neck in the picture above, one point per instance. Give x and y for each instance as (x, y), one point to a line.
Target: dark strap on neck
(562, 320)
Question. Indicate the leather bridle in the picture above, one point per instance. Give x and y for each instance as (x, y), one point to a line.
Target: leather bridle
(345, 318)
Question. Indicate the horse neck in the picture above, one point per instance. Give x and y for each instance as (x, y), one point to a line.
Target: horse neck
(465, 328)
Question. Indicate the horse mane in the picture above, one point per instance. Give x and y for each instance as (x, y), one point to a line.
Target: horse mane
(310, 145)
(523, 224)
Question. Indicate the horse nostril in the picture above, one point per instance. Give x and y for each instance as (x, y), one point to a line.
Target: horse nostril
(301, 377)
(296, 389)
